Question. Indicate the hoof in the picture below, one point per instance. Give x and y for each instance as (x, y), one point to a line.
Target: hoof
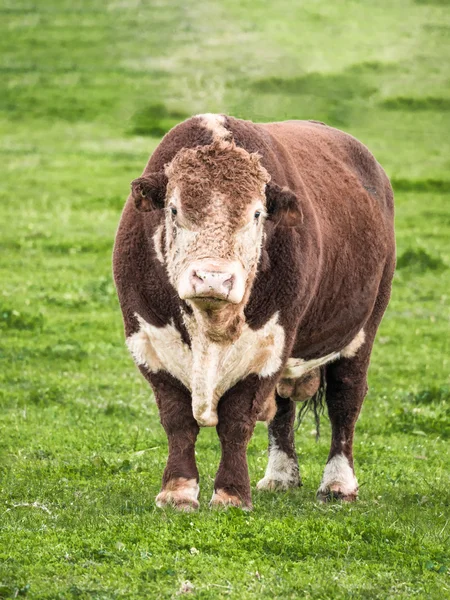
(181, 494)
(269, 484)
(282, 472)
(339, 481)
(222, 499)
(331, 494)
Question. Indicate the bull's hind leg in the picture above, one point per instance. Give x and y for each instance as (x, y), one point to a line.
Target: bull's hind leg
(180, 487)
(346, 388)
(282, 468)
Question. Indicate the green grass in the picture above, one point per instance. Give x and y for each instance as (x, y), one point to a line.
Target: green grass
(87, 89)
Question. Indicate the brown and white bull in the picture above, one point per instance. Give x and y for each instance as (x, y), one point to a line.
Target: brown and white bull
(248, 257)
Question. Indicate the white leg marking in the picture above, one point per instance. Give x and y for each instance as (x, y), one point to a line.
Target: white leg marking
(180, 493)
(215, 123)
(338, 477)
(281, 472)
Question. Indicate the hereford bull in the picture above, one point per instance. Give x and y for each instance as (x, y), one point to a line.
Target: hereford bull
(248, 257)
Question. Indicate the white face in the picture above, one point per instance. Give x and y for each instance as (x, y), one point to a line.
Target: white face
(211, 253)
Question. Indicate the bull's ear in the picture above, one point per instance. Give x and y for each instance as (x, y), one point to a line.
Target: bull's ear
(283, 206)
(149, 192)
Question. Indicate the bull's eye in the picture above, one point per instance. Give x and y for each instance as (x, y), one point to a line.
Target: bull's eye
(173, 210)
(257, 215)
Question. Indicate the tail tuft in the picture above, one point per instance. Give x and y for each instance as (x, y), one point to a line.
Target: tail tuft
(316, 404)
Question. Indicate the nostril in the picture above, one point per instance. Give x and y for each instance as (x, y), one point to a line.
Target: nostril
(228, 283)
(211, 283)
(198, 276)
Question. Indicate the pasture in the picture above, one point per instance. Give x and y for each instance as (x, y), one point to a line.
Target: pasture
(87, 89)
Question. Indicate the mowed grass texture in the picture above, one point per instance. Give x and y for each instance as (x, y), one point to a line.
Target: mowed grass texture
(87, 90)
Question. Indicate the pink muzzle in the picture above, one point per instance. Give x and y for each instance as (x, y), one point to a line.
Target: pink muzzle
(219, 280)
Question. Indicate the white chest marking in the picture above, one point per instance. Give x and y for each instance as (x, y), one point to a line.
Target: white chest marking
(209, 369)
(297, 367)
(156, 347)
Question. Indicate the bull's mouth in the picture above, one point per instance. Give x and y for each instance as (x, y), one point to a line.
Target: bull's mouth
(205, 302)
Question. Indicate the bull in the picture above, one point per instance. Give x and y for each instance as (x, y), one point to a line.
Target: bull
(253, 263)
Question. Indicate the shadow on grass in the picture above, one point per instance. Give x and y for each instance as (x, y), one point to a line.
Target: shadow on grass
(155, 120)
(411, 103)
(10, 318)
(440, 186)
(418, 260)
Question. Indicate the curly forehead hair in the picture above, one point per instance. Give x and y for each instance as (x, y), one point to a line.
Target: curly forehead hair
(220, 166)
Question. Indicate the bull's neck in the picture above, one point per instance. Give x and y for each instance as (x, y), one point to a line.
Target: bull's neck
(221, 326)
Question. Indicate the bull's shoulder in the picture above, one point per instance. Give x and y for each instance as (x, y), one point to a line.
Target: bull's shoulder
(140, 275)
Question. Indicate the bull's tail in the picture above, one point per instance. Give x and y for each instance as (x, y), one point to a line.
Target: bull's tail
(316, 404)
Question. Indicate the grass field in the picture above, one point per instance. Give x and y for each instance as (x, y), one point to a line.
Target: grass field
(87, 90)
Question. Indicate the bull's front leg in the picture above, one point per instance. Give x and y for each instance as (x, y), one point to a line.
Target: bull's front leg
(237, 412)
(180, 487)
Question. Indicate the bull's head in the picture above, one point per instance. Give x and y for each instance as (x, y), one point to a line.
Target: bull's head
(216, 200)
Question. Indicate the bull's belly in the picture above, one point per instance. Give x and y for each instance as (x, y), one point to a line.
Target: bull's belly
(298, 367)
(300, 379)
